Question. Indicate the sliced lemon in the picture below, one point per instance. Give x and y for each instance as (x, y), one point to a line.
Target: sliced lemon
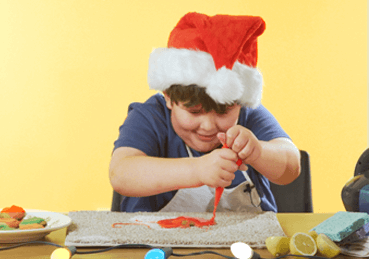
(278, 246)
(326, 246)
(302, 244)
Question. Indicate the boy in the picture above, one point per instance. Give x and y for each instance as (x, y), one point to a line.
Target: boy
(168, 155)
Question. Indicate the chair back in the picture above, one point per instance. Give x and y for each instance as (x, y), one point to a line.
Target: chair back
(296, 196)
(117, 200)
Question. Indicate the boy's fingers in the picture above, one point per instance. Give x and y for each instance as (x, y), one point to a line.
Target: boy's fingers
(224, 183)
(231, 135)
(245, 152)
(243, 167)
(250, 153)
(240, 144)
(229, 154)
(222, 137)
(226, 176)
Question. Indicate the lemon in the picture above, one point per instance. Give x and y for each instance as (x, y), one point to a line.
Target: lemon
(313, 234)
(326, 246)
(278, 246)
(302, 244)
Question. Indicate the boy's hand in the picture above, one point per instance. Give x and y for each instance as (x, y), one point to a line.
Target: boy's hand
(217, 168)
(242, 141)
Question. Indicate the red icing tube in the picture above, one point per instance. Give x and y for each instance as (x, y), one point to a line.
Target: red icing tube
(186, 222)
(219, 190)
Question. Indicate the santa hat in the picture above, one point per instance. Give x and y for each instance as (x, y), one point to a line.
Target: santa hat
(216, 52)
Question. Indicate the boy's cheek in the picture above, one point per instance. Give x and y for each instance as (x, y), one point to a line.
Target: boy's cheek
(186, 122)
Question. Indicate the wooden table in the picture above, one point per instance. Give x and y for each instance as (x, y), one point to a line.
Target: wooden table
(290, 222)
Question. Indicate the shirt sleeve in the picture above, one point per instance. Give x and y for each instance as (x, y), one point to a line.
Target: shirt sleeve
(145, 128)
(263, 124)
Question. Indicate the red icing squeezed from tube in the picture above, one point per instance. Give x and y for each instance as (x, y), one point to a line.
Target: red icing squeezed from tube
(186, 222)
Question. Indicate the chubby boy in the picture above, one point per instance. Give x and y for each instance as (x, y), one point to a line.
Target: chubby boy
(168, 155)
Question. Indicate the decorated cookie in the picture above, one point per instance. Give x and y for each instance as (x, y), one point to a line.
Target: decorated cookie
(4, 215)
(14, 212)
(12, 218)
(32, 223)
(13, 223)
(6, 227)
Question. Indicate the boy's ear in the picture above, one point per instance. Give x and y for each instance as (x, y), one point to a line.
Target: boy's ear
(168, 101)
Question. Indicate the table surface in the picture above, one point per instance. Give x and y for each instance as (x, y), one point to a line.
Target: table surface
(290, 222)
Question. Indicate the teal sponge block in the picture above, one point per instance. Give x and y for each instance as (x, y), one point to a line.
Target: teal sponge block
(342, 224)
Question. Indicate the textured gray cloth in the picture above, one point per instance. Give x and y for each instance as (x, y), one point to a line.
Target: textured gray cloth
(94, 228)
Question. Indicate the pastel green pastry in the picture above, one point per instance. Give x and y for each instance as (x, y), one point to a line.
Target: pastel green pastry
(6, 227)
(34, 220)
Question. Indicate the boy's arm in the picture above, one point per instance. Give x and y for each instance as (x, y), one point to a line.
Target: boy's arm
(279, 161)
(133, 173)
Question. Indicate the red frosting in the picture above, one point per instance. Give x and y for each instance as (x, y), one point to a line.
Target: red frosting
(14, 212)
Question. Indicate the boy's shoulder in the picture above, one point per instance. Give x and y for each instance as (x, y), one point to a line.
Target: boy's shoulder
(154, 104)
(247, 113)
(146, 126)
(151, 112)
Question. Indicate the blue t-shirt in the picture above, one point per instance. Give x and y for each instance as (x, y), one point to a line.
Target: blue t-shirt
(148, 128)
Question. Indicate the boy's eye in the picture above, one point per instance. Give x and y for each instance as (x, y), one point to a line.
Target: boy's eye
(224, 112)
(229, 108)
(195, 111)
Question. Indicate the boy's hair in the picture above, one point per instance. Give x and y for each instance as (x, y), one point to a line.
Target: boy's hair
(192, 95)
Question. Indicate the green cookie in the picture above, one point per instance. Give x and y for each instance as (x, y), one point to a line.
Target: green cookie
(34, 220)
(6, 227)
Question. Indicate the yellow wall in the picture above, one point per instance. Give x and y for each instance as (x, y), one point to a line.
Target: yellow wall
(69, 69)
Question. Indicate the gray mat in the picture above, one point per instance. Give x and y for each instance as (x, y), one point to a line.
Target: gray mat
(94, 228)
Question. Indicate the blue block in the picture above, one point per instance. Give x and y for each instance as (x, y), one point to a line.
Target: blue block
(342, 224)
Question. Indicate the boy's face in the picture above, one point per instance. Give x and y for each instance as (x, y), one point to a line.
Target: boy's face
(199, 129)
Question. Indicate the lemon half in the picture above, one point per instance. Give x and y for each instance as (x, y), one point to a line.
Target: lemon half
(326, 246)
(302, 244)
(278, 245)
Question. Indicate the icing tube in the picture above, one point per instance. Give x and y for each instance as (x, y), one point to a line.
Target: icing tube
(219, 190)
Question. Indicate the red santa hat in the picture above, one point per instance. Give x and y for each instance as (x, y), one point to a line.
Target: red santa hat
(216, 52)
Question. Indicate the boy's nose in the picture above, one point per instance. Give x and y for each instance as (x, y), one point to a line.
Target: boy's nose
(208, 122)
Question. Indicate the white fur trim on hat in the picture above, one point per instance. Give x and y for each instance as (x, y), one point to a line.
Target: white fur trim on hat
(168, 66)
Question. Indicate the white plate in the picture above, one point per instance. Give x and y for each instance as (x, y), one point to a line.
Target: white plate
(54, 221)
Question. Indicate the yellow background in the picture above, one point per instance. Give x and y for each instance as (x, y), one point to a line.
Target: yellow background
(69, 69)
